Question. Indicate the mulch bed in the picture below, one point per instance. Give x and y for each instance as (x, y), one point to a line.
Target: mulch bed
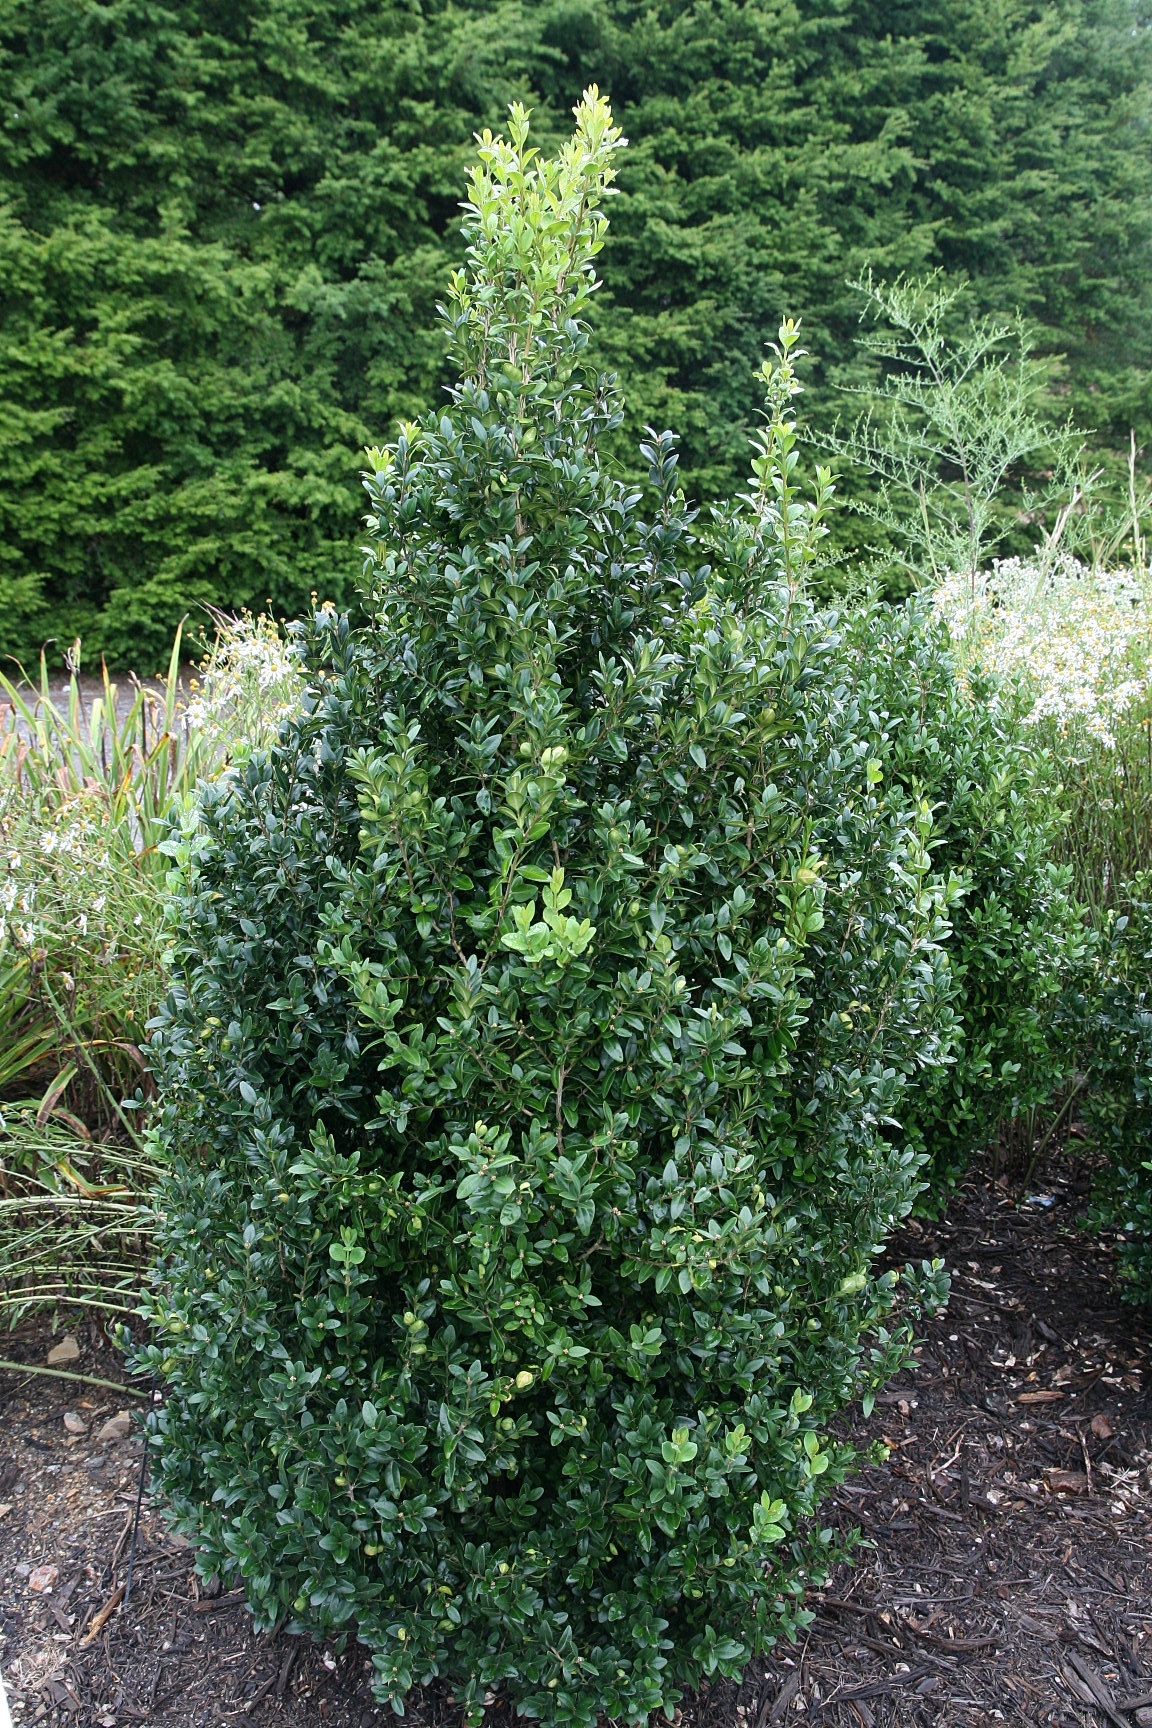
(1004, 1572)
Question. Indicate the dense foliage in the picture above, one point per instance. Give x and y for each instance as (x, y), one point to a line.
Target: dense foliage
(1117, 1054)
(1018, 946)
(542, 1004)
(224, 228)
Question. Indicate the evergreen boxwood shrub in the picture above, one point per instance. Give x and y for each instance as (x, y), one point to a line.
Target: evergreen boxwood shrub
(542, 1008)
(1115, 1020)
(1019, 948)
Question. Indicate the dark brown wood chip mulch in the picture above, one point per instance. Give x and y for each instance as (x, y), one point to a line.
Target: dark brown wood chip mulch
(1004, 1574)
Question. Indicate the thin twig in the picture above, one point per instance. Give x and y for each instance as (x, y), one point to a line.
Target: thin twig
(105, 1613)
(1087, 1460)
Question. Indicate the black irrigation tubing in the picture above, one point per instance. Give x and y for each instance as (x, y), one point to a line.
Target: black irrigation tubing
(139, 1503)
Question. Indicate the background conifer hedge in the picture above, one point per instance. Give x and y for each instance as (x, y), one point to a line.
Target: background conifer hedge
(224, 228)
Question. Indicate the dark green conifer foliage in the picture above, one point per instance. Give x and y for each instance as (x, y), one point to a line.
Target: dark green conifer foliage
(542, 1008)
(226, 226)
(779, 149)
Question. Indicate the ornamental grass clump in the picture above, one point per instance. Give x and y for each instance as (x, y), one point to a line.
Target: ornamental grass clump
(542, 1008)
(88, 785)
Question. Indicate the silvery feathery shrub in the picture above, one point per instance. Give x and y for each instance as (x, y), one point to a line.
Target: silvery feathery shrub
(542, 1005)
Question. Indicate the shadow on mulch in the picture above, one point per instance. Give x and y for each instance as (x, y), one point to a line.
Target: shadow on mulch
(1005, 1572)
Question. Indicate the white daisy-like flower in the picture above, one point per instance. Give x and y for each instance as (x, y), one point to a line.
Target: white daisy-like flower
(1076, 642)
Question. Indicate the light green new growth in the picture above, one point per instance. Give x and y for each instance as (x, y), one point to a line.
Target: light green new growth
(534, 229)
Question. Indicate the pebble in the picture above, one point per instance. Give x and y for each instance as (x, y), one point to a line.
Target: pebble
(74, 1422)
(96, 1462)
(43, 1578)
(117, 1427)
(66, 1351)
(22, 1570)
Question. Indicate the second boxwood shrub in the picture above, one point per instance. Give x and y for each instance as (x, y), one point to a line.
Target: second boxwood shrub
(1019, 948)
(1113, 1018)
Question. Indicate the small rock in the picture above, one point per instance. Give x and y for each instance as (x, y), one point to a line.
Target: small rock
(74, 1422)
(117, 1427)
(96, 1462)
(1103, 1430)
(5, 1509)
(1144, 1717)
(43, 1578)
(61, 1354)
(22, 1570)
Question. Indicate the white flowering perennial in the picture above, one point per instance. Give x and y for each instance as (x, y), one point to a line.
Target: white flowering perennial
(249, 684)
(1076, 642)
(56, 883)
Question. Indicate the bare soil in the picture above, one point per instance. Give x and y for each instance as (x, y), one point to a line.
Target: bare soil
(1004, 1572)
